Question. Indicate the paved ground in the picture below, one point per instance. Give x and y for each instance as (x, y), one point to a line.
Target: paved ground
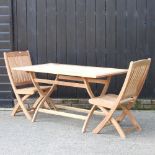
(55, 135)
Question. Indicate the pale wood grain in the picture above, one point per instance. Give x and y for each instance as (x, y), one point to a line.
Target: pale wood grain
(131, 88)
(20, 78)
(72, 70)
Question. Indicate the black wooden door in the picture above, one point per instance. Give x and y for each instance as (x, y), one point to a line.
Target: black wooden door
(85, 32)
(5, 45)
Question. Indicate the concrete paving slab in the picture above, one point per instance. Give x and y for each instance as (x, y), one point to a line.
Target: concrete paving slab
(56, 135)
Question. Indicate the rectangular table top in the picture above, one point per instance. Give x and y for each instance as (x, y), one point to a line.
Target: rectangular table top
(72, 70)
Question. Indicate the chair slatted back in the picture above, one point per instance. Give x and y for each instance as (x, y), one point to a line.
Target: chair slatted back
(17, 59)
(135, 78)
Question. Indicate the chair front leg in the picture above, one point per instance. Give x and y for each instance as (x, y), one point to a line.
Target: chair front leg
(17, 106)
(21, 104)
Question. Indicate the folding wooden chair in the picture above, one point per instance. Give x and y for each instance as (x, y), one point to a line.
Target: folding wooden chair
(21, 82)
(108, 104)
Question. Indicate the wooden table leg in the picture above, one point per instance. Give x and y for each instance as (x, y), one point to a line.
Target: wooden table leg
(106, 86)
(46, 96)
(88, 88)
(41, 93)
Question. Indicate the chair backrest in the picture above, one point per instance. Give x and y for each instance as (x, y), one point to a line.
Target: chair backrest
(135, 79)
(17, 59)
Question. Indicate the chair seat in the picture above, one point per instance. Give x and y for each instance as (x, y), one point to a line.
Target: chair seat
(30, 90)
(107, 101)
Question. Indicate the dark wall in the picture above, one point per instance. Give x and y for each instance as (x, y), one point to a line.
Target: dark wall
(5, 45)
(87, 32)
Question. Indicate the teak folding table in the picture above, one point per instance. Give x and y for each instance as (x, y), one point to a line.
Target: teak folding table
(72, 76)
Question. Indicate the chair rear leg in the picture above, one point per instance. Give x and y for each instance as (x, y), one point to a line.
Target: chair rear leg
(20, 102)
(88, 118)
(132, 118)
(121, 117)
(107, 120)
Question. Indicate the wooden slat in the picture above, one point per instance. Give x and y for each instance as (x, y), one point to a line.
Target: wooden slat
(100, 33)
(4, 19)
(78, 109)
(3, 70)
(15, 23)
(72, 70)
(21, 18)
(51, 31)
(4, 78)
(62, 114)
(121, 25)
(5, 44)
(4, 50)
(71, 32)
(90, 33)
(81, 31)
(4, 3)
(2, 63)
(4, 11)
(73, 29)
(111, 37)
(110, 25)
(71, 40)
(5, 95)
(131, 25)
(41, 34)
(5, 87)
(17, 59)
(6, 103)
(41, 31)
(79, 79)
(31, 29)
(5, 36)
(4, 27)
(81, 37)
(151, 46)
(61, 36)
(62, 83)
(61, 31)
(141, 24)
